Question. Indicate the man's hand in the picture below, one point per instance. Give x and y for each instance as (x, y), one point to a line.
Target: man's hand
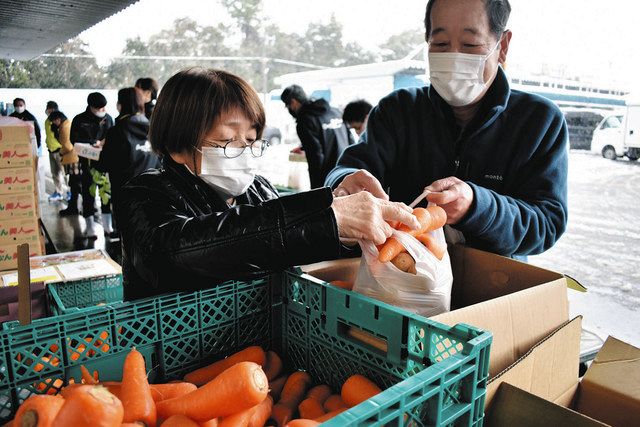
(359, 181)
(453, 195)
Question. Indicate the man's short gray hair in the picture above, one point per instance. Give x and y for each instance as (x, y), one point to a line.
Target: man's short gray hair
(498, 12)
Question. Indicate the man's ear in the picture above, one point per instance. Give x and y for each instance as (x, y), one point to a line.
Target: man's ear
(504, 46)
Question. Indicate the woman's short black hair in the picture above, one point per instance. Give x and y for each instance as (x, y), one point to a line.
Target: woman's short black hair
(147, 83)
(498, 12)
(356, 111)
(192, 100)
(129, 101)
(57, 115)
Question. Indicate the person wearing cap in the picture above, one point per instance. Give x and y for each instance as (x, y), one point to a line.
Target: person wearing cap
(55, 159)
(322, 133)
(88, 127)
(493, 157)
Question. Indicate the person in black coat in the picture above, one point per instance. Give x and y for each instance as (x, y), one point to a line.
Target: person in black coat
(206, 216)
(127, 151)
(23, 114)
(322, 133)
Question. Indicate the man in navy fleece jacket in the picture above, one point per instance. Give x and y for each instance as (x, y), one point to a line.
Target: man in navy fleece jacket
(495, 158)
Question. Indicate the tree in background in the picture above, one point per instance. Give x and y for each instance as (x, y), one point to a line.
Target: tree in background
(399, 45)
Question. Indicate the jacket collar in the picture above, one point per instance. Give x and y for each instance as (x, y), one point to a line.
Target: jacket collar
(192, 183)
(493, 104)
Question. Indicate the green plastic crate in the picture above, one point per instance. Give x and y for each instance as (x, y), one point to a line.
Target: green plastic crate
(68, 297)
(434, 374)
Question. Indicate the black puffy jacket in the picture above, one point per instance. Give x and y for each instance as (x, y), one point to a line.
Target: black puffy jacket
(88, 128)
(179, 234)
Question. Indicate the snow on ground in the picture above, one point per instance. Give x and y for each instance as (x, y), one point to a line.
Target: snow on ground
(601, 247)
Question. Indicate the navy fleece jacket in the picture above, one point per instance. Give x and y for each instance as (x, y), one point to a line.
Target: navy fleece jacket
(513, 154)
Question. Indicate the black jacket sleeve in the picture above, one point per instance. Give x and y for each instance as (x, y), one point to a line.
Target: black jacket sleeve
(310, 134)
(161, 238)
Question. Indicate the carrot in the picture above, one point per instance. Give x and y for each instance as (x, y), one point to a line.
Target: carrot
(357, 388)
(300, 422)
(261, 413)
(159, 392)
(319, 393)
(202, 376)
(135, 392)
(329, 415)
(438, 250)
(404, 262)
(342, 284)
(334, 402)
(238, 388)
(430, 219)
(275, 387)
(179, 421)
(273, 365)
(131, 425)
(211, 423)
(310, 408)
(291, 396)
(90, 405)
(38, 410)
(87, 378)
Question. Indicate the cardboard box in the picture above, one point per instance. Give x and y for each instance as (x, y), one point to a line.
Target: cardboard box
(15, 206)
(519, 303)
(14, 154)
(87, 150)
(9, 254)
(17, 180)
(609, 393)
(19, 230)
(16, 135)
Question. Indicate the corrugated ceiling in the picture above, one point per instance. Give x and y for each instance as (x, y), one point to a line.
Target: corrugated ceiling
(30, 28)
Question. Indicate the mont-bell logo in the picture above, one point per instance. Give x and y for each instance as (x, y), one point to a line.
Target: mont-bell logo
(494, 177)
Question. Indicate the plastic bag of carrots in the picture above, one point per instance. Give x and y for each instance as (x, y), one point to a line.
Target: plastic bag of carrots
(412, 269)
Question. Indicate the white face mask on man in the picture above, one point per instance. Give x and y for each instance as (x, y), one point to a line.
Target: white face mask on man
(20, 110)
(458, 77)
(230, 176)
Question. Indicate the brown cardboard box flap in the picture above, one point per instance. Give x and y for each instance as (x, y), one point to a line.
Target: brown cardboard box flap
(515, 407)
(610, 390)
(549, 369)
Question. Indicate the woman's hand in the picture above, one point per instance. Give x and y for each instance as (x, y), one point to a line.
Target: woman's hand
(362, 216)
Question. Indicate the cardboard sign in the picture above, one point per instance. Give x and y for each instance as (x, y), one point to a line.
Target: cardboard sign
(15, 206)
(9, 254)
(87, 150)
(17, 180)
(15, 154)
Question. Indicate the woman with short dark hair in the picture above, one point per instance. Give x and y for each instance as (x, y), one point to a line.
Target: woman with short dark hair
(206, 217)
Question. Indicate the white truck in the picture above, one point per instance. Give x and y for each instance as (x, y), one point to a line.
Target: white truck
(618, 134)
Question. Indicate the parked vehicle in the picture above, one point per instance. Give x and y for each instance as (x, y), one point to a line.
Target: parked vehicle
(618, 134)
(581, 123)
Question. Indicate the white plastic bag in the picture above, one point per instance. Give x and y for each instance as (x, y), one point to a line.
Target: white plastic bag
(428, 293)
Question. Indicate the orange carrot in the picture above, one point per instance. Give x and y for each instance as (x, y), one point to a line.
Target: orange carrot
(320, 393)
(273, 365)
(357, 388)
(211, 423)
(179, 421)
(202, 376)
(159, 392)
(131, 425)
(90, 405)
(87, 378)
(329, 415)
(276, 386)
(438, 250)
(333, 403)
(38, 410)
(135, 392)
(292, 395)
(310, 408)
(238, 388)
(261, 413)
(430, 219)
(342, 284)
(300, 422)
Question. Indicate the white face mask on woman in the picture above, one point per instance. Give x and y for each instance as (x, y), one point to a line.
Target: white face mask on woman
(232, 177)
(458, 77)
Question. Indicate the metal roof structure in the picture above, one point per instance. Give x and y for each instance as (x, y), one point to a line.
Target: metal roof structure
(30, 28)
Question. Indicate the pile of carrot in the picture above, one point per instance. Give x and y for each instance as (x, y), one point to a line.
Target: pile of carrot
(247, 389)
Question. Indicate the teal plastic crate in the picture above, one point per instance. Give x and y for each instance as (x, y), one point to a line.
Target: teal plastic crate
(68, 297)
(433, 374)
